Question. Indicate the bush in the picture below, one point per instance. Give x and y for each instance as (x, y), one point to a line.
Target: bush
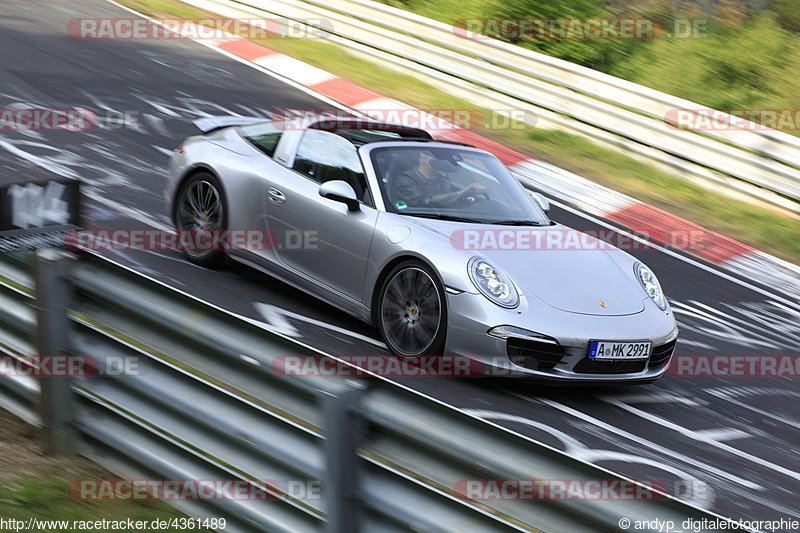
(744, 67)
(578, 51)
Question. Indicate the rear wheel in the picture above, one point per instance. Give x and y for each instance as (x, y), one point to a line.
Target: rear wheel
(412, 315)
(199, 209)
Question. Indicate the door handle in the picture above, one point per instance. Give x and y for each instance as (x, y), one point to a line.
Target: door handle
(276, 196)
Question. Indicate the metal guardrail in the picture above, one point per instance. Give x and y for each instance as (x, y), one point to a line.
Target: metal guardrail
(206, 405)
(760, 163)
(17, 329)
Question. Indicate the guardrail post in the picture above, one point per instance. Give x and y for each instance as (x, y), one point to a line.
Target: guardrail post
(52, 324)
(344, 427)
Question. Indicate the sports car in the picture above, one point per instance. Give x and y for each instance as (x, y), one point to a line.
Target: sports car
(433, 242)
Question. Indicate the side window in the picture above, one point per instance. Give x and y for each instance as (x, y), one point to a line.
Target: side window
(324, 156)
(264, 136)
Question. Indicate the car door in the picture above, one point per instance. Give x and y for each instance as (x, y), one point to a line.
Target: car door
(317, 237)
(251, 182)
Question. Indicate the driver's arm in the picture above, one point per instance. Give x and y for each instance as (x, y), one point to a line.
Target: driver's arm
(476, 188)
(408, 189)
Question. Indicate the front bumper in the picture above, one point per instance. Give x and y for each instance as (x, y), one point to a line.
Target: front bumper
(561, 355)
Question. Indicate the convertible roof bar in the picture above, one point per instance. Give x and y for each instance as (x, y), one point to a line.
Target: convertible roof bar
(422, 140)
(336, 124)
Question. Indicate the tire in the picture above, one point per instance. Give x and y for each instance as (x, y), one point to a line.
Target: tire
(412, 311)
(200, 205)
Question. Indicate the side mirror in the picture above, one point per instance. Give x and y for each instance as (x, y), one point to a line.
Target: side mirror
(543, 202)
(340, 191)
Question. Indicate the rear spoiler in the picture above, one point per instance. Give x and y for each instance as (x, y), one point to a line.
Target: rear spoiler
(209, 124)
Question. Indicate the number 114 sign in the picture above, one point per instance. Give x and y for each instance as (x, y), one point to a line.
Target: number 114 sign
(29, 212)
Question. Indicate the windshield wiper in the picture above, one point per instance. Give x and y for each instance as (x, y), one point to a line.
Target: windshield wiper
(438, 216)
(517, 223)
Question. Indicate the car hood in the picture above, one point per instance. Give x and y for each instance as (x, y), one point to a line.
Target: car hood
(580, 279)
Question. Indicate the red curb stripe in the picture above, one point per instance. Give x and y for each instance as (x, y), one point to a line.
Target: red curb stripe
(506, 155)
(247, 50)
(345, 91)
(661, 226)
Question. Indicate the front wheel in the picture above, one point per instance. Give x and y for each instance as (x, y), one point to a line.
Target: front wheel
(200, 209)
(412, 313)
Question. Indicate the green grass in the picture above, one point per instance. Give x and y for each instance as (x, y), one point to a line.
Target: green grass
(164, 8)
(447, 11)
(34, 485)
(748, 223)
(47, 499)
(759, 227)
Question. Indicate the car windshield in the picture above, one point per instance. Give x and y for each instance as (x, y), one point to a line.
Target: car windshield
(451, 183)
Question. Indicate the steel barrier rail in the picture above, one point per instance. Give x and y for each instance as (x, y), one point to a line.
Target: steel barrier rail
(171, 425)
(622, 94)
(749, 162)
(421, 435)
(204, 401)
(18, 394)
(108, 297)
(211, 340)
(626, 94)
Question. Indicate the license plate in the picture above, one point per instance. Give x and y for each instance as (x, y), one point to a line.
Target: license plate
(619, 350)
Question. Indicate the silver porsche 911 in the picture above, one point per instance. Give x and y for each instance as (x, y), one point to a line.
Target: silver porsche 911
(433, 242)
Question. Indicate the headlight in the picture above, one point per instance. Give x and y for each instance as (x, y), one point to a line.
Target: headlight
(492, 283)
(650, 285)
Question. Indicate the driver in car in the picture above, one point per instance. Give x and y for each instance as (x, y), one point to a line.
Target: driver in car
(424, 186)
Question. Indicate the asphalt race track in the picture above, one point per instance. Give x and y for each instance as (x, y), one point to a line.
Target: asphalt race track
(729, 444)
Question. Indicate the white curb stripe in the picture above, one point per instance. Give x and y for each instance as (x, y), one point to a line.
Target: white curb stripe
(294, 69)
